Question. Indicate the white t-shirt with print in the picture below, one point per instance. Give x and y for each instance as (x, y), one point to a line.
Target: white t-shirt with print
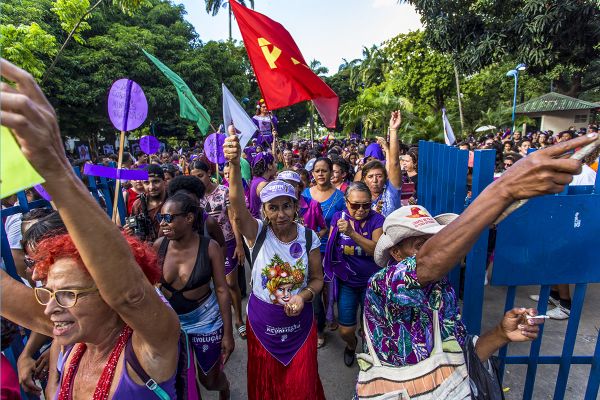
(281, 269)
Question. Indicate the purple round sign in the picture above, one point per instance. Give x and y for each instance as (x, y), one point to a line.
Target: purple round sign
(42, 192)
(213, 148)
(149, 144)
(127, 105)
(295, 250)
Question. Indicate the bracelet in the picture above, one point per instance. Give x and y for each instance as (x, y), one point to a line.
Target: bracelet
(311, 291)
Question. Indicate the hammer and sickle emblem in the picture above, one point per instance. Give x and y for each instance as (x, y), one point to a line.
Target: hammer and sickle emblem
(270, 55)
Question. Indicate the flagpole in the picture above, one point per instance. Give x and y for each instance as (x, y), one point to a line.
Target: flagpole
(444, 125)
(118, 180)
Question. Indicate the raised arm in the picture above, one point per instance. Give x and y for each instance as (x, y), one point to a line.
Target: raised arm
(246, 223)
(19, 305)
(100, 243)
(540, 173)
(392, 164)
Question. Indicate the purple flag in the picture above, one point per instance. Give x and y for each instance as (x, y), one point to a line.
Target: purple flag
(113, 173)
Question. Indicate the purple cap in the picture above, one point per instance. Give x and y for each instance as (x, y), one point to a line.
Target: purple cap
(277, 189)
(289, 176)
(263, 156)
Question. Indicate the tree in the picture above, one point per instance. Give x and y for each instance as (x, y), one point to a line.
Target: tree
(213, 7)
(419, 73)
(559, 37)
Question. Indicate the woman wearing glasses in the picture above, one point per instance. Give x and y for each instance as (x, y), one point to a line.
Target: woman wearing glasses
(349, 257)
(99, 300)
(189, 263)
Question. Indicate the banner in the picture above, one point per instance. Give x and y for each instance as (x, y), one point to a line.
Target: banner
(283, 76)
(448, 132)
(234, 113)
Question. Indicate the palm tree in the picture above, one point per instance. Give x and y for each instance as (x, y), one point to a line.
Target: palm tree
(213, 7)
(320, 70)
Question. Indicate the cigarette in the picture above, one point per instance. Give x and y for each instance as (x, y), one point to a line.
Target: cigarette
(537, 316)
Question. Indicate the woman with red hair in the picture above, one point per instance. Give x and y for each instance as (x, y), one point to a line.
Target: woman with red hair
(120, 339)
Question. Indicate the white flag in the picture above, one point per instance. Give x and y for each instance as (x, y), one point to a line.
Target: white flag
(448, 132)
(234, 113)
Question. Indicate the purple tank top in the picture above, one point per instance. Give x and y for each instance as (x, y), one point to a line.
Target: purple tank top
(253, 198)
(126, 388)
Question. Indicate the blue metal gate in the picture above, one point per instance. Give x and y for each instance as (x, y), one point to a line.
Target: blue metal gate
(574, 219)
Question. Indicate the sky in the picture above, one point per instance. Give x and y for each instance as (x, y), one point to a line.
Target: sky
(325, 30)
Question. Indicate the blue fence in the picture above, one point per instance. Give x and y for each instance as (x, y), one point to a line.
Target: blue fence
(573, 219)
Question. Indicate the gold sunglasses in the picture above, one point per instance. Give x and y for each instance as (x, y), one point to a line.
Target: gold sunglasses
(66, 298)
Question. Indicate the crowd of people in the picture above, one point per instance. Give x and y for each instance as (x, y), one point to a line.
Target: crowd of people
(332, 235)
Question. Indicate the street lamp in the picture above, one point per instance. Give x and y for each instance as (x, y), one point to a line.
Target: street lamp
(515, 73)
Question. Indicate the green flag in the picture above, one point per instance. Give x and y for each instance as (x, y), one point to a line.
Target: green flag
(189, 107)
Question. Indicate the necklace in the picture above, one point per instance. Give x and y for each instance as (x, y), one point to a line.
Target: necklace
(107, 375)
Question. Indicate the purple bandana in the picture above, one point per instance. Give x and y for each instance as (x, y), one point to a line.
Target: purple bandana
(207, 348)
(280, 335)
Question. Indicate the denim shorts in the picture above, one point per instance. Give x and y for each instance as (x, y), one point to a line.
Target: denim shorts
(349, 299)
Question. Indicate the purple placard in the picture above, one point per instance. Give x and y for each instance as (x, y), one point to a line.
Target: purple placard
(113, 173)
(213, 148)
(127, 105)
(42, 192)
(149, 144)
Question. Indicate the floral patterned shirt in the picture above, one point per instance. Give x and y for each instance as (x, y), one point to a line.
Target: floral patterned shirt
(216, 204)
(399, 313)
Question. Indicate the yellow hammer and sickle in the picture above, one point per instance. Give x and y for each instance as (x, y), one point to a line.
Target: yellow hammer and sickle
(270, 55)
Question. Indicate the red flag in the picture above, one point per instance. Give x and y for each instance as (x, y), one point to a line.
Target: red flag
(283, 76)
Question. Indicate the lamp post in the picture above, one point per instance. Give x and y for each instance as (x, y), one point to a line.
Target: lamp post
(515, 73)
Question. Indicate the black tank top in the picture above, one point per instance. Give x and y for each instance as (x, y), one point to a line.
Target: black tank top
(201, 275)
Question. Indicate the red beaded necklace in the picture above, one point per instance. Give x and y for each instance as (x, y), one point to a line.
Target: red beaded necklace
(108, 373)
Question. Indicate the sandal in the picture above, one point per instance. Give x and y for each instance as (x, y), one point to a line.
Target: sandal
(320, 342)
(241, 330)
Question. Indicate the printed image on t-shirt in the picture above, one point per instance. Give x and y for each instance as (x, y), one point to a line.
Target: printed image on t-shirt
(281, 279)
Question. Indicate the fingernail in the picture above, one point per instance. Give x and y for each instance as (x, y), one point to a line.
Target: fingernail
(521, 326)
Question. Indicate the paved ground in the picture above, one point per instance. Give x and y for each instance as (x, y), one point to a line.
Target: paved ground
(338, 380)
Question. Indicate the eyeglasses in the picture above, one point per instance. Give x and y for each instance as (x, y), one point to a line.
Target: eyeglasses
(508, 165)
(356, 206)
(168, 218)
(66, 298)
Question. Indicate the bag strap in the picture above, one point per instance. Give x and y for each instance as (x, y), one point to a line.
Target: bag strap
(260, 240)
(308, 237)
(437, 343)
(150, 383)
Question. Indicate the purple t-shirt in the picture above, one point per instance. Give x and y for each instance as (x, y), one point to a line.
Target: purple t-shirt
(358, 261)
(253, 198)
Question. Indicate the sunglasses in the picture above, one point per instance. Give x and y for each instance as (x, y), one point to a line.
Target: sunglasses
(66, 298)
(168, 218)
(29, 262)
(356, 206)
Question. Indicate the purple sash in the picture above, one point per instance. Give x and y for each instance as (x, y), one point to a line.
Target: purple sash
(280, 335)
(207, 348)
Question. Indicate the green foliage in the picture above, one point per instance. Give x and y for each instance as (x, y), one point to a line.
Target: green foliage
(213, 6)
(419, 73)
(545, 34)
(72, 15)
(372, 108)
(27, 46)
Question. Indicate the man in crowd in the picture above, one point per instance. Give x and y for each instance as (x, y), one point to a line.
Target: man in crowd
(142, 221)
